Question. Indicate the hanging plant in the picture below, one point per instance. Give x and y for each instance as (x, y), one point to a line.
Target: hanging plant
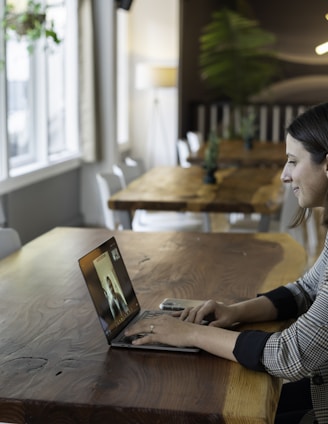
(30, 25)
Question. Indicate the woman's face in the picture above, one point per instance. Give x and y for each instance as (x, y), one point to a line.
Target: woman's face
(308, 179)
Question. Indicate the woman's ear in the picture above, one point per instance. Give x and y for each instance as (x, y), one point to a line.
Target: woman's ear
(326, 165)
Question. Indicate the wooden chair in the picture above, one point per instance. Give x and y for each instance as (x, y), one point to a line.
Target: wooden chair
(9, 241)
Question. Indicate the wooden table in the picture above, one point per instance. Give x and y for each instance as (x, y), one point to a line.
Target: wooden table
(233, 153)
(56, 366)
(245, 190)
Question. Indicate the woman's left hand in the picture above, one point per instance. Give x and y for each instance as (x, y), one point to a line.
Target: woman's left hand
(164, 329)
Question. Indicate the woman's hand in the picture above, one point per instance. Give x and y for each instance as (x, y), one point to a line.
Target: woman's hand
(170, 330)
(218, 314)
(163, 329)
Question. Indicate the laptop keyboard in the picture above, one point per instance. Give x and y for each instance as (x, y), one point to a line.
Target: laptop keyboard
(144, 315)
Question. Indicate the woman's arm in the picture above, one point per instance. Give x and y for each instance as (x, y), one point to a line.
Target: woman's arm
(169, 330)
(220, 315)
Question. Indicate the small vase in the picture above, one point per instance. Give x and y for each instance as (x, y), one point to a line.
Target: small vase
(209, 177)
(248, 143)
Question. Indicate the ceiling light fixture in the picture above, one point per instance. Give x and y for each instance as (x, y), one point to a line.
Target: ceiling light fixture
(322, 48)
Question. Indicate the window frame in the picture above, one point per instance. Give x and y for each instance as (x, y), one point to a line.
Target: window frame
(45, 164)
(122, 80)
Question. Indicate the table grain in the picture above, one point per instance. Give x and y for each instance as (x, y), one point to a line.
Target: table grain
(56, 366)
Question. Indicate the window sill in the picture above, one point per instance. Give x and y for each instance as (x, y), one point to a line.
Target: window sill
(31, 176)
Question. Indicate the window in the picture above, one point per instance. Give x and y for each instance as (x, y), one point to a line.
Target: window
(39, 99)
(122, 78)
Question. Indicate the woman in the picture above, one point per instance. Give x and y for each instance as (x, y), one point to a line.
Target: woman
(299, 353)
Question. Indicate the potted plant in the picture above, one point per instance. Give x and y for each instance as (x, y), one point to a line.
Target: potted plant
(30, 24)
(236, 60)
(248, 129)
(211, 158)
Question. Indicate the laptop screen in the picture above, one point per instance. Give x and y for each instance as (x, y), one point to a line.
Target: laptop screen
(110, 287)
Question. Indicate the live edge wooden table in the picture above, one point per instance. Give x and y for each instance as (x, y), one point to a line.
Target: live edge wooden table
(245, 190)
(56, 366)
(233, 152)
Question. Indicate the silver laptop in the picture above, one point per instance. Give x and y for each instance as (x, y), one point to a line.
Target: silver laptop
(114, 298)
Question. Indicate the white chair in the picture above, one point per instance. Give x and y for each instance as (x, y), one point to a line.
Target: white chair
(194, 140)
(9, 241)
(305, 234)
(108, 184)
(145, 220)
(136, 162)
(126, 173)
(183, 153)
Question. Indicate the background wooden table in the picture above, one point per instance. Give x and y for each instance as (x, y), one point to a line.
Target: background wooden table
(245, 190)
(56, 366)
(233, 153)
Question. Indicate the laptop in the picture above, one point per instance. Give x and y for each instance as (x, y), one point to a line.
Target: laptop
(114, 298)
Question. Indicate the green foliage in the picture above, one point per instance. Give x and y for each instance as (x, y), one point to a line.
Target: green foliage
(211, 152)
(235, 58)
(248, 125)
(30, 24)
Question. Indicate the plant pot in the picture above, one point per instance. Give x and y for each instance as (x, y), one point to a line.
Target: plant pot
(248, 143)
(22, 23)
(209, 177)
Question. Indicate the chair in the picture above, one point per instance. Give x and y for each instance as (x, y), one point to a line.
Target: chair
(108, 184)
(135, 162)
(183, 153)
(305, 235)
(9, 241)
(127, 173)
(145, 220)
(194, 140)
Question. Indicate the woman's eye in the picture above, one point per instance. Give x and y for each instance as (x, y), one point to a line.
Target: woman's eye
(292, 162)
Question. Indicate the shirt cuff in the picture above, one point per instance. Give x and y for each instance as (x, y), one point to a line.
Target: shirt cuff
(284, 302)
(249, 347)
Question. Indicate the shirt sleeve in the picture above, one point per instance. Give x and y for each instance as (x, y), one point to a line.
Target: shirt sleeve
(284, 302)
(249, 347)
(300, 349)
(250, 344)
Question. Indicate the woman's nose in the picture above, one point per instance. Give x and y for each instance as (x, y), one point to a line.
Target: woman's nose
(285, 177)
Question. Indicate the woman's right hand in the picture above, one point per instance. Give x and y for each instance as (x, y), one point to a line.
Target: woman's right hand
(216, 313)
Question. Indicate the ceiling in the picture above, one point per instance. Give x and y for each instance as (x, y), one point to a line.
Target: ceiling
(299, 26)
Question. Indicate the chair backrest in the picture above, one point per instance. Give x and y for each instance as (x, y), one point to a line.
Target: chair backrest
(9, 241)
(194, 140)
(108, 184)
(305, 234)
(183, 153)
(136, 162)
(288, 211)
(126, 173)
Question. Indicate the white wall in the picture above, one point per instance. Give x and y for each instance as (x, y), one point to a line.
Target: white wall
(105, 72)
(154, 38)
(153, 27)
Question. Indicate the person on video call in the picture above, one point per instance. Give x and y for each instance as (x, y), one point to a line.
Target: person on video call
(298, 354)
(117, 304)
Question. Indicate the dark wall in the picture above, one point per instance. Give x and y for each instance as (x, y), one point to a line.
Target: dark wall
(296, 37)
(194, 15)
